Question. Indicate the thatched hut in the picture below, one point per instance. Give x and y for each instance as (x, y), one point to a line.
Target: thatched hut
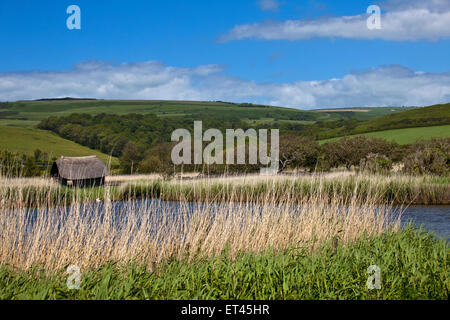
(81, 171)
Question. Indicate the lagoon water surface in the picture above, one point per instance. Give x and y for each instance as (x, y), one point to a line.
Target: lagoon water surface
(432, 218)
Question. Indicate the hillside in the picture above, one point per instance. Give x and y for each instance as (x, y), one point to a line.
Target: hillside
(254, 114)
(421, 117)
(77, 124)
(362, 113)
(26, 140)
(406, 136)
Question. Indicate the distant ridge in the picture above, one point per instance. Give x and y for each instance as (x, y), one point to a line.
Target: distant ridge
(61, 99)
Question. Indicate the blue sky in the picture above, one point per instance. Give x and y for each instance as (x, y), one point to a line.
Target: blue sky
(243, 44)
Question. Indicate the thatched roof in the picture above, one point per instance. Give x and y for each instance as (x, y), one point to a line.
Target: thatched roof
(80, 168)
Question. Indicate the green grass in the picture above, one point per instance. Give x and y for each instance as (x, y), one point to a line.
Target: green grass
(381, 122)
(38, 110)
(413, 265)
(436, 115)
(26, 140)
(411, 118)
(406, 136)
(18, 123)
(368, 114)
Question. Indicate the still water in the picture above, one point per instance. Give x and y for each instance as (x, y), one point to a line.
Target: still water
(432, 218)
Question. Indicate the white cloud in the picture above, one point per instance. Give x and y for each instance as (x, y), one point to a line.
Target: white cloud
(269, 5)
(403, 21)
(382, 86)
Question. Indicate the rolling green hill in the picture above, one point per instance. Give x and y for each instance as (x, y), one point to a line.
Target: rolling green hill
(18, 120)
(406, 136)
(421, 117)
(38, 110)
(362, 113)
(26, 140)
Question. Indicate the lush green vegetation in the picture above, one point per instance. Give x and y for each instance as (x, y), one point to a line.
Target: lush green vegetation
(303, 247)
(142, 142)
(27, 140)
(318, 252)
(138, 132)
(413, 265)
(363, 113)
(405, 136)
(111, 133)
(421, 117)
(39, 110)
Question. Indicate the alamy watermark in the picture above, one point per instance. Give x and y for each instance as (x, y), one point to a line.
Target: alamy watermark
(214, 152)
(74, 20)
(374, 280)
(74, 279)
(374, 21)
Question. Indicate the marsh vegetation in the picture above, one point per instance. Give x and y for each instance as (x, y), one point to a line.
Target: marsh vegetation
(302, 237)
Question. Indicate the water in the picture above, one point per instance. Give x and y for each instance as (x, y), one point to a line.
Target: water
(432, 218)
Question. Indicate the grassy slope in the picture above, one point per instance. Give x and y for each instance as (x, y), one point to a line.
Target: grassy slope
(38, 110)
(380, 121)
(410, 118)
(26, 140)
(406, 136)
(362, 113)
(421, 117)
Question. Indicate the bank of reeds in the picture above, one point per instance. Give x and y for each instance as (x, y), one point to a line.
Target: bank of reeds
(413, 265)
(397, 190)
(224, 238)
(153, 232)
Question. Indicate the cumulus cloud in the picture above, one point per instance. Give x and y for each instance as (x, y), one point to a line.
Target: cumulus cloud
(402, 21)
(382, 86)
(269, 5)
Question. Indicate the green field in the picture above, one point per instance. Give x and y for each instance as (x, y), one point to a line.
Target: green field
(362, 113)
(26, 140)
(436, 115)
(38, 110)
(18, 123)
(406, 136)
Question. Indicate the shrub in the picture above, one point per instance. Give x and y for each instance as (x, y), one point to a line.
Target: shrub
(350, 151)
(297, 151)
(158, 159)
(428, 157)
(375, 163)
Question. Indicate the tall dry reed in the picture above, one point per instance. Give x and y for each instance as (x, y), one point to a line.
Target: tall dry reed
(152, 232)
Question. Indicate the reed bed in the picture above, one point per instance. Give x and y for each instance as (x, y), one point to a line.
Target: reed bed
(413, 264)
(153, 232)
(398, 190)
(252, 237)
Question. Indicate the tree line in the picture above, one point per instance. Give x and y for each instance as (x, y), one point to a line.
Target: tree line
(141, 142)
